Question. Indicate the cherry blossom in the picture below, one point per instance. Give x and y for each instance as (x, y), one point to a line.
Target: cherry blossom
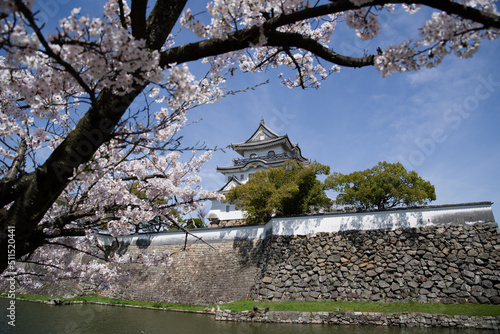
(71, 127)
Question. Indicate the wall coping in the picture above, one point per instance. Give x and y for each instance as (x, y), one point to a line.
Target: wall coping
(462, 213)
(412, 208)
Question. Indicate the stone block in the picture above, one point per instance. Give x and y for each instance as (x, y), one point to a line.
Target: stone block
(488, 293)
(427, 284)
(267, 280)
(383, 284)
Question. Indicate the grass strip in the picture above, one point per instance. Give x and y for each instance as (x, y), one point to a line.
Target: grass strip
(315, 306)
(113, 301)
(344, 306)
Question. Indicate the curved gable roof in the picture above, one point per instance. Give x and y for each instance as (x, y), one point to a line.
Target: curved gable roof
(262, 133)
(262, 137)
(265, 137)
(230, 184)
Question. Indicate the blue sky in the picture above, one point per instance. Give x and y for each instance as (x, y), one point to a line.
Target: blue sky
(441, 122)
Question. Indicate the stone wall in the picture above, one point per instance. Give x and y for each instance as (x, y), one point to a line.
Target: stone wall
(358, 318)
(200, 274)
(215, 223)
(444, 259)
(447, 264)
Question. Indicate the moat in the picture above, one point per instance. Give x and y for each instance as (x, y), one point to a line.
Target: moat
(86, 319)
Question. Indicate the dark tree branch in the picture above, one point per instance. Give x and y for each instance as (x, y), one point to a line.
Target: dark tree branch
(297, 67)
(161, 21)
(243, 39)
(211, 47)
(489, 20)
(138, 18)
(121, 14)
(16, 167)
(176, 224)
(288, 40)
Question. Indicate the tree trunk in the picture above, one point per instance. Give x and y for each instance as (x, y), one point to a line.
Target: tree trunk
(38, 190)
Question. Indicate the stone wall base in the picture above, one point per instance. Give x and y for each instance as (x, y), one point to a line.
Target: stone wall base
(435, 264)
(359, 318)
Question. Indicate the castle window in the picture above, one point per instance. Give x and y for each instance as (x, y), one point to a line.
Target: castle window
(253, 156)
(242, 177)
(271, 154)
(228, 208)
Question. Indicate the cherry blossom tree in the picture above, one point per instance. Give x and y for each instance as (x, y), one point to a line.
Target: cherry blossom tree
(90, 112)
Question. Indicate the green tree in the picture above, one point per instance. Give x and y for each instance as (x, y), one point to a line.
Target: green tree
(289, 189)
(187, 223)
(384, 186)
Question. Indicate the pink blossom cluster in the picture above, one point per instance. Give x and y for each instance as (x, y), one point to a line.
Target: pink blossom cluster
(364, 22)
(46, 85)
(124, 191)
(48, 82)
(443, 34)
(87, 259)
(227, 16)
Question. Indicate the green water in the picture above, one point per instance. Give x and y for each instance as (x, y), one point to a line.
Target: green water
(40, 318)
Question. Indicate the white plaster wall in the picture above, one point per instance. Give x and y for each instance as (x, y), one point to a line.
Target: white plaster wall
(380, 220)
(231, 215)
(303, 225)
(219, 209)
(228, 176)
(264, 151)
(210, 235)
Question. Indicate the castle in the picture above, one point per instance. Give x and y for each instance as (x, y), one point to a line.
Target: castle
(263, 150)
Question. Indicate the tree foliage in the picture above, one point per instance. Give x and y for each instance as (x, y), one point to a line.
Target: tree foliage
(73, 139)
(290, 189)
(386, 185)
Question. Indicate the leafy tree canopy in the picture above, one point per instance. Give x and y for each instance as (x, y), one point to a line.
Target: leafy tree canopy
(286, 190)
(384, 186)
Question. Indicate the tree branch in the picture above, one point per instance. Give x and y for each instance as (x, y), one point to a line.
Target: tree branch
(121, 14)
(288, 40)
(175, 223)
(138, 18)
(15, 169)
(161, 21)
(489, 20)
(237, 40)
(241, 39)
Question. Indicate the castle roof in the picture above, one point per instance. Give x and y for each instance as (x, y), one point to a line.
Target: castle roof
(264, 137)
(230, 184)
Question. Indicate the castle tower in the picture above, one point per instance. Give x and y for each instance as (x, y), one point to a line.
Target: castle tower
(263, 150)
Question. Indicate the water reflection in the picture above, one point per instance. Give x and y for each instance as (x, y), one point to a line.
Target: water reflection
(89, 319)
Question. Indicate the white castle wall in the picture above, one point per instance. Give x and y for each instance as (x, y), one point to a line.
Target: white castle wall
(333, 222)
(393, 219)
(429, 257)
